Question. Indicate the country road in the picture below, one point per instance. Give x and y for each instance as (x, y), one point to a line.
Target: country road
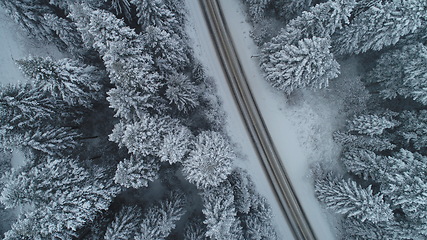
(254, 122)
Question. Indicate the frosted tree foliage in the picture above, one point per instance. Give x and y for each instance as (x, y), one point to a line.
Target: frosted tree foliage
(220, 214)
(124, 224)
(182, 93)
(175, 145)
(210, 162)
(63, 195)
(370, 124)
(309, 64)
(414, 128)
(381, 25)
(362, 162)
(348, 198)
(160, 219)
(257, 8)
(71, 81)
(137, 171)
(143, 137)
(374, 143)
(402, 72)
(155, 13)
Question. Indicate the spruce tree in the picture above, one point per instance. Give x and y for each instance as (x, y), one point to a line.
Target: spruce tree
(309, 64)
(210, 161)
(137, 171)
(348, 198)
(124, 225)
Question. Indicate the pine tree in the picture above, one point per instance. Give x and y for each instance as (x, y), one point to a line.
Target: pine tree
(372, 143)
(124, 225)
(310, 64)
(370, 124)
(142, 137)
(257, 8)
(64, 197)
(290, 9)
(122, 7)
(257, 224)
(413, 129)
(23, 106)
(195, 230)
(210, 162)
(244, 190)
(381, 25)
(155, 13)
(348, 198)
(160, 220)
(220, 213)
(402, 72)
(175, 145)
(167, 49)
(75, 83)
(137, 171)
(405, 182)
(182, 93)
(362, 162)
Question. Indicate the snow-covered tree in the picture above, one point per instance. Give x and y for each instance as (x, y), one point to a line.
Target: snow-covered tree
(405, 183)
(402, 72)
(257, 8)
(362, 162)
(309, 64)
(122, 7)
(372, 143)
(23, 106)
(348, 198)
(168, 50)
(124, 225)
(155, 13)
(370, 124)
(64, 197)
(258, 222)
(175, 145)
(144, 136)
(290, 9)
(66, 79)
(161, 219)
(243, 188)
(182, 93)
(381, 25)
(220, 213)
(195, 230)
(137, 171)
(413, 129)
(210, 162)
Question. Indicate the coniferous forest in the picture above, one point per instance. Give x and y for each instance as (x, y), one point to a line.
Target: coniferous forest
(379, 189)
(123, 138)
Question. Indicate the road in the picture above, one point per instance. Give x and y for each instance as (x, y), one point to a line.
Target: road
(254, 122)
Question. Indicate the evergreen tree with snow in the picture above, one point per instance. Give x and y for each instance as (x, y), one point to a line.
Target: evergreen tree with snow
(155, 13)
(309, 64)
(290, 9)
(370, 124)
(160, 220)
(362, 162)
(142, 137)
(210, 161)
(182, 93)
(220, 214)
(122, 7)
(413, 130)
(175, 145)
(137, 171)
(257, 8)
(23, 107)
(381, 25)
(124, 225)
(348, 198)
(64, 197)
(402, 72)
(73, 82)
(372, 143)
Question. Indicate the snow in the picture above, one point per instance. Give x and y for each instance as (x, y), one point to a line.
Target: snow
(15, 44)
(205, 52)
(301, 126)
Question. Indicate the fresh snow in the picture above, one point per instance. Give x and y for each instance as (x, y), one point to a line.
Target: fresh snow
(301, 130)
(14, 45)
(205, 52)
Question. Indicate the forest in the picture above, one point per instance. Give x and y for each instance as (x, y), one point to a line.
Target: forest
(378, 190)
(123, 138)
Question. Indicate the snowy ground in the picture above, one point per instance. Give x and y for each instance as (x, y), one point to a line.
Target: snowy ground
(301, 126)
(205, 52)
(15, 44)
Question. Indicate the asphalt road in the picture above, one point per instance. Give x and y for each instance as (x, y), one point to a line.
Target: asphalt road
(254, 123)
